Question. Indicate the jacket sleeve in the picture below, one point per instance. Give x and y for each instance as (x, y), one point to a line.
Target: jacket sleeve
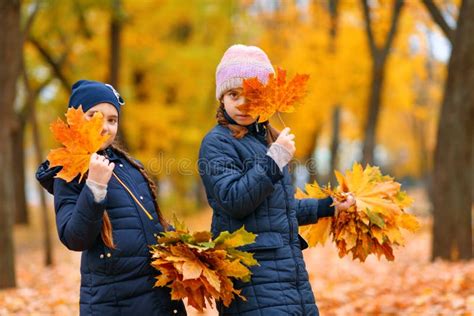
(238, 191)
(308, 211)
(78, 216)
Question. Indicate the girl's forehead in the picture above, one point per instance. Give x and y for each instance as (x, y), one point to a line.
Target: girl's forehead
(238, 89)
(106, 109)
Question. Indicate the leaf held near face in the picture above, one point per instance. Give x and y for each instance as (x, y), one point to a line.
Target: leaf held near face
(277, 95)
(80, 138)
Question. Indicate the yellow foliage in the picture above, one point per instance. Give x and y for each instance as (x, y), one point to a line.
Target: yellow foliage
(372, 225)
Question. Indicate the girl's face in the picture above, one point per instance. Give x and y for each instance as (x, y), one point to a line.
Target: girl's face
(233, 98)
(110, 120)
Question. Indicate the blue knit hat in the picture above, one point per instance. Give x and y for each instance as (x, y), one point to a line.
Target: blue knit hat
(89, 93)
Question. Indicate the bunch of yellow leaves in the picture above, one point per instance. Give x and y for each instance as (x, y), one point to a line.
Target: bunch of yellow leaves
(81, 138)
(200, 268)
(278, 95)
(372, 225)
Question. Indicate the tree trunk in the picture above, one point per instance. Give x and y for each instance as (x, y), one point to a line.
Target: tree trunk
(309, 160)
(336, 119)
(379, 60)
(375, 99)
(115, 29)
(201, 198)
(21, 210)
(10, 57)
(114, 66)
(47, 245)
(453, 170)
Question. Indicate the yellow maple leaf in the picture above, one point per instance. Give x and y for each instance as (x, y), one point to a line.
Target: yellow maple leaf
(317, 233)
(192, 269)
(236, 239)
(81, 138)
(213, 278)
(278, 95)
(408, 222)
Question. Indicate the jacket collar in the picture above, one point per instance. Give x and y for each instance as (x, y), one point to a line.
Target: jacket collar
(110, 154)
(256, 129)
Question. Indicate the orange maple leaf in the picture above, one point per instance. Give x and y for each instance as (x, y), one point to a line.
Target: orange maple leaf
(278, 95)
(81, 138)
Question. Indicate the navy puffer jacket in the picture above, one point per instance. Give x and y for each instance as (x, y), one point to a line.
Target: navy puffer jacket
(113, 281)
(245, 187)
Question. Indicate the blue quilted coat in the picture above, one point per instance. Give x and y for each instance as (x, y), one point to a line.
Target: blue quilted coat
(246, 187)
(113, 281)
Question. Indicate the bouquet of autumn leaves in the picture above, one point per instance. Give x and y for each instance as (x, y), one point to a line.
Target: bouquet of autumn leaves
(372, 225)
(199, 268)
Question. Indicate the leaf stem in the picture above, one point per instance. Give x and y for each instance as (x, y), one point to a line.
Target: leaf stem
(281, 120)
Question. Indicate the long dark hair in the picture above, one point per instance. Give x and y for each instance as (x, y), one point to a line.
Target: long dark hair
(239, 131)
(106, 231)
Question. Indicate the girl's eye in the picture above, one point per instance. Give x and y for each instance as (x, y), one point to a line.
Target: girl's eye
(112, 121)
(90, 115)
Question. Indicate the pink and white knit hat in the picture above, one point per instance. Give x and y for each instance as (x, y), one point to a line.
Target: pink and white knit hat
(241, 62)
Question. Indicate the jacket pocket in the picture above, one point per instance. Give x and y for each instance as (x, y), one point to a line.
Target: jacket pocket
(265, 241)
(96, 259)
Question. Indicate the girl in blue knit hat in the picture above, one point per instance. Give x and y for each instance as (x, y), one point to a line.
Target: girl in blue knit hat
(243, 165)
(104, 217)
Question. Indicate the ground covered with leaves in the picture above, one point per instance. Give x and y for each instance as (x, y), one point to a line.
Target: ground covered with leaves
(410, 285)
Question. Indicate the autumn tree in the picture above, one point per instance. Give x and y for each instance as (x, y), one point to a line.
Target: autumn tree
(379, 53)
(117, 17)
(336, 114)
(10, 58)
(453, 158)
(22, 118)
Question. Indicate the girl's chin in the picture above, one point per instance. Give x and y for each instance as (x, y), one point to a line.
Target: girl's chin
(244, 120)
(105, 145)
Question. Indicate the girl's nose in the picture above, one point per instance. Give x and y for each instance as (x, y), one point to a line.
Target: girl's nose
(105, 130)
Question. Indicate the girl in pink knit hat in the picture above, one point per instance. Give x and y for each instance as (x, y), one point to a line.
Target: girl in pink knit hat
(243, 165)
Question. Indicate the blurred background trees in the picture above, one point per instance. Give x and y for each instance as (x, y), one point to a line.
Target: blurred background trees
(391, 85)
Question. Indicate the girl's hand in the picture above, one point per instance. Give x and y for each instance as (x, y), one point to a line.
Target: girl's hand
(286, 140)
(342, 206)
(100, 169)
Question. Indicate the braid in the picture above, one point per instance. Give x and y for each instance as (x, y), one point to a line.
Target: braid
(106, 231)
(272, 133)
(240, 131)
(151, 184)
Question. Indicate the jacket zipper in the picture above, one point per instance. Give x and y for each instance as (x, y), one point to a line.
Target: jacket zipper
(291, 246)
(291, 238)
(137, 207)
